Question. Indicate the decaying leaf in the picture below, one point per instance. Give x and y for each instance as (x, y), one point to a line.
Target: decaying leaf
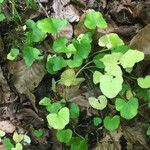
(26, 79)
(136, 135)
(107, 143)
(7, 126)
(68, 12)
(142, 41)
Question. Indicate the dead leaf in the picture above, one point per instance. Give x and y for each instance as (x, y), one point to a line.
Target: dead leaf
(107, 143)
(137, 135)
(25, 78)
(68, 12)
(141, 41)
(7, 126)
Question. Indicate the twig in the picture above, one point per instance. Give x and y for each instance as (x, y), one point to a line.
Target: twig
(42, 7)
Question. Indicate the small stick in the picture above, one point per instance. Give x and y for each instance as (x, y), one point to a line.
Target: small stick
(42, 7)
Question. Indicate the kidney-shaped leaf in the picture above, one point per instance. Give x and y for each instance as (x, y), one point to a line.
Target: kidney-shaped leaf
(144, 82)
(98, 103)
(131, 57)
(110, 86)
(59, 120)
(51, 25)
(94, 19)
(128, 109)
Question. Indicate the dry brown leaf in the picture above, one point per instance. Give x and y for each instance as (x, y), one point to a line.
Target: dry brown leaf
(7, 126)
(136, 135)
(68, 12)
(142, 41)
(26, 79)
(107, 143)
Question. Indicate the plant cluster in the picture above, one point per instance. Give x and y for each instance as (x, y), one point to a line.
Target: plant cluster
(112, 66)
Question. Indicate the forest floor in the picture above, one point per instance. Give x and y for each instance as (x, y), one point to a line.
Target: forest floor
(124, 17)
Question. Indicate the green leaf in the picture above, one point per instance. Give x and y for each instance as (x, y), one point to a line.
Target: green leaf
(35, 35)
(2, 133)
(74, 111)
(96, 77)
(111, 63)
(45, 101)
(131, 57)
(83, 45)
(26, 140)
(110, 41)
(59, 44)
(78, 144)
(98, 103)
(68, 78)
(70, 50)
(64, 136)
(94, 19)
(17, 137)
(112, 123)
(97, 62)
(14, 52)
(111, 59)
(51, 25)
(97, 121)
(7, 143)
(120, 49)
(54, 108)
(38, 133)
(55, 63)
(110, 86)
(18, 147)
(2, 17)
(75, 62)
(31, 54)
(59, 120)
(144, 82)
(1, 1)
(129, 109)
(148, 131)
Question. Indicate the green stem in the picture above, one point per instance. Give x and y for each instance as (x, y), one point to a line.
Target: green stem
(83, 67)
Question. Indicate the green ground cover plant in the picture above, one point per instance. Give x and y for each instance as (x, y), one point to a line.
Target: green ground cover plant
(112, 63)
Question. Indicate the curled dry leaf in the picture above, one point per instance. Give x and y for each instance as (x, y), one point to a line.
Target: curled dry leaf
(26, 79)
(4, 89)
(141, 41)
(7, 126)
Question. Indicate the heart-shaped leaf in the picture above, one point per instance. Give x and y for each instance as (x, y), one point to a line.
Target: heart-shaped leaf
(17, 137)
(68, 78)
(59, 120)
(110, 40)
(31, 54)
(144, 82)
(18, 147)
(51, 25)
(128, 109)
(64, 135)
(94, 19)
(98, 103)
(131, 57)
(112, 124)
(110, 86)
(2, 133)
